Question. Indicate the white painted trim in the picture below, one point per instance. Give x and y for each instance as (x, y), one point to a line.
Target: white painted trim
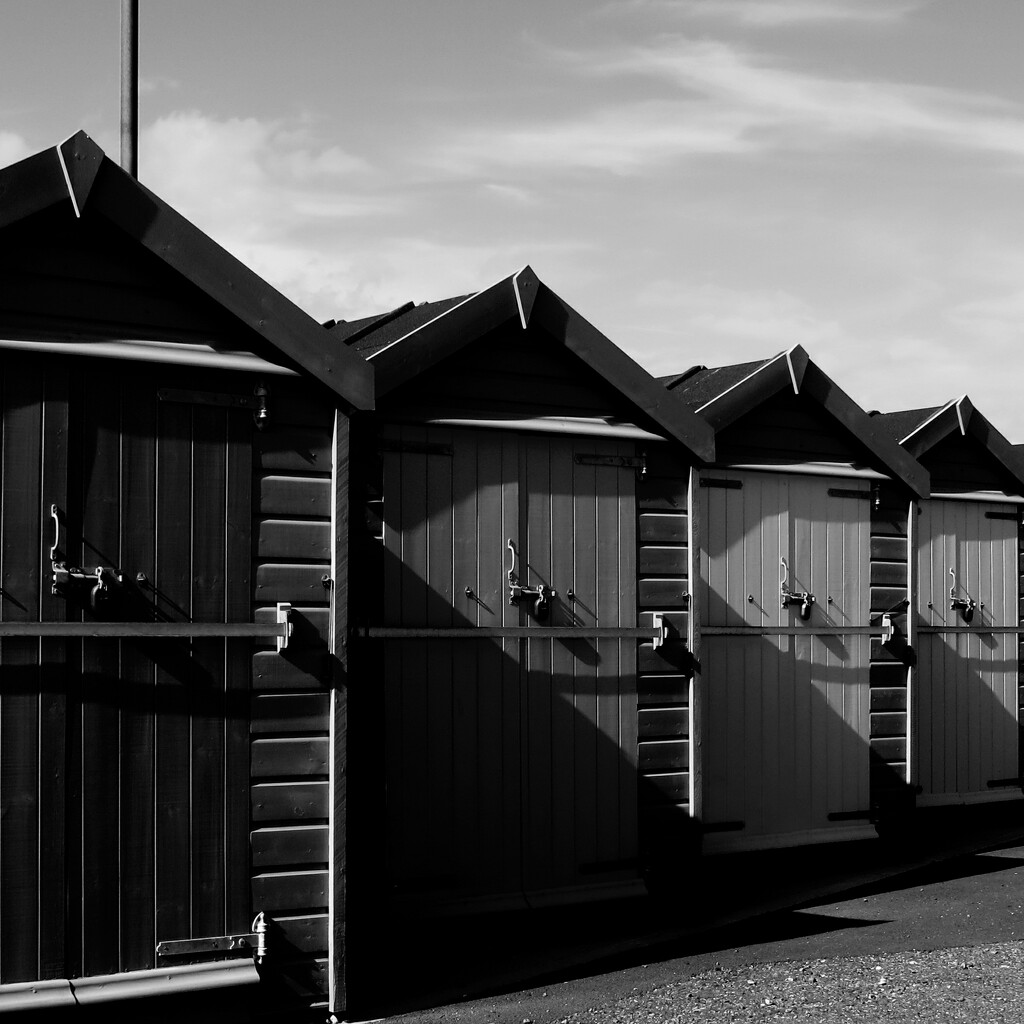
(552, 425)
(763, 366)
(519, 300)
(67, 181)
(792, 371)
(416, 330)
(938, 412)
(960, 415)
(150, 352)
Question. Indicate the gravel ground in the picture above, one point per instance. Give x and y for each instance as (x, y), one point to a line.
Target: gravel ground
(978, 984)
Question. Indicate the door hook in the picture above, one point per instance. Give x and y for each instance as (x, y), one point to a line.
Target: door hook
(958, 604)
(804, 598)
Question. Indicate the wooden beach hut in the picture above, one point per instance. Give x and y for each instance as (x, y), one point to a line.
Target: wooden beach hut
(173, 458)
(802, 533)
(523, 560)
(967, 539)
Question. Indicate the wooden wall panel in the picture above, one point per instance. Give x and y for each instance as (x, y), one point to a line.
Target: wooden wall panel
(666, 833)
(290, 751)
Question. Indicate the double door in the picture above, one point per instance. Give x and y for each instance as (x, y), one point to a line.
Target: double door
(509, 724)
(125, 756)
(785, 677)
(967, 699)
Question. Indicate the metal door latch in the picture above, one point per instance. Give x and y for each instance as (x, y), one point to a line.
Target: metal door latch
(804, 598)
(965, 606)
(540, 595)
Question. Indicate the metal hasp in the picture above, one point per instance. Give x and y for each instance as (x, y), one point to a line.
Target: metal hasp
(804, 598)
(659, 624)
(540, 595)
(958, 604)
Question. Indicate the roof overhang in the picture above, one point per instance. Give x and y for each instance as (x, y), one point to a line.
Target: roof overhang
(79, 176)
(794, 370)
(524, 300)
(960, 416)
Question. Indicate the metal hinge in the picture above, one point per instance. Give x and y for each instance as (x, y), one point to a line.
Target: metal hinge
(637, 462)
(254, 942)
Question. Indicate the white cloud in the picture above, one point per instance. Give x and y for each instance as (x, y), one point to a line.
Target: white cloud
(13, 147)
(775, 13)
(726, 100)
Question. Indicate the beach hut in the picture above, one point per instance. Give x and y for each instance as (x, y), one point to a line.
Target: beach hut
(967, 551)
(174, 455)
(802, 532)
(524, 562)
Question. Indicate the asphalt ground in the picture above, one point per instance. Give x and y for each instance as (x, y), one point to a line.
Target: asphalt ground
(956, 881)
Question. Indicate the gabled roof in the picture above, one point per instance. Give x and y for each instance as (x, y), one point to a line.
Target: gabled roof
(920, 430)
(721, 395)
(79, 177)
(410, 340)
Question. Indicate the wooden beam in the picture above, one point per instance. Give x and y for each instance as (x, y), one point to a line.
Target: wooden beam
(30, 186)
(654, 400)
(451, 331)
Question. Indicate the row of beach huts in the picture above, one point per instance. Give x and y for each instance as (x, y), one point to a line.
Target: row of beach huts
(307, 628)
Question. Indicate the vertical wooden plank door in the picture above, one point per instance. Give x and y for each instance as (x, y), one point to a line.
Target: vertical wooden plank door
(787, 712)
(510, 759)
(967, 690)
(136, 774)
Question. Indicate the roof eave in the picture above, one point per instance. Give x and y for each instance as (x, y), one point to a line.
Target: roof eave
(79, 172)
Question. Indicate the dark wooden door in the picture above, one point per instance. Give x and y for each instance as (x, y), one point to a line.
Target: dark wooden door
(510, 754)
(129, 774)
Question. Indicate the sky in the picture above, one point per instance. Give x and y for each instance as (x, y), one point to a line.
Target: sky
(706, 181)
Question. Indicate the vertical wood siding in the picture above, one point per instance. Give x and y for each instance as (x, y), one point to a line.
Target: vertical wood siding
(510, 764)
(124, 768)
(290, 755)
(787, 717)
(968, 693)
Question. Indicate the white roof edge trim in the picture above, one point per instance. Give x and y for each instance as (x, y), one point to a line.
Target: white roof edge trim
(938, 412)
(754, 373)
(440, 316)
(792, 371)
(67, 181)
(519, 301)
(960, 415)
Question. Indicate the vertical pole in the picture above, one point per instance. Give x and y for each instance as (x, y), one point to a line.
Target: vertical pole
(130, 86)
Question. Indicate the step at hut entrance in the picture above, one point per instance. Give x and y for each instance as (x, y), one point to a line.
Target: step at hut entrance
(968, 544)
(792, 597)
(509, 443)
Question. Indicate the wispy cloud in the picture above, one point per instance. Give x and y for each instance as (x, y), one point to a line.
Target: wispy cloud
(722, 99)
(13, 147)
(777, 13)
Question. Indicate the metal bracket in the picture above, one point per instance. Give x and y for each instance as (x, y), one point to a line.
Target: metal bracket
(659, 624)
(284, 618)
(888, 628)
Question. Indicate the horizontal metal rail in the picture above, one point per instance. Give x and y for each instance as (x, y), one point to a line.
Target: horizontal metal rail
(791, 630)
(280, 630)
(970, 629)
(511, 632)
